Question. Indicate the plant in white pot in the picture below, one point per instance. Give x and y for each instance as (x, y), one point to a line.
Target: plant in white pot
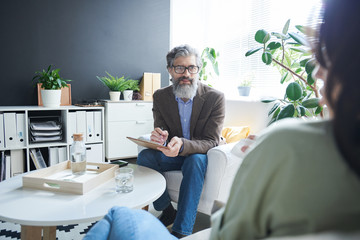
(115, 84)
(51, 84)
(130, 86)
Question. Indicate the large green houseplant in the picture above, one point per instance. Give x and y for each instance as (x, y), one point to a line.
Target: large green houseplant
(209, 57)
(51, 84)
(290, 53)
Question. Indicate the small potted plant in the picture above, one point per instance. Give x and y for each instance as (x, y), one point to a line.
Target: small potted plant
(131, 86)
(115, 84)
(244, 87)
(51, 84)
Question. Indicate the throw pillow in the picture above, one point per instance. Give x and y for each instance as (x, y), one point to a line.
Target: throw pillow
(234, 134)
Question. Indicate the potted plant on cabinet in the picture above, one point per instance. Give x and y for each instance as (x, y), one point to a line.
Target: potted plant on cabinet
(291, 54)
(115, 84)
(130, 86)
(51, 84)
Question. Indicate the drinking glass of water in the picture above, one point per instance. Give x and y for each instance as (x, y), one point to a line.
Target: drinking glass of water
(124, 180)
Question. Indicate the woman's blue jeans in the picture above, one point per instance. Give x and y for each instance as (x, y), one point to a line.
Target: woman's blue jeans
(122, 223)
(193, 168)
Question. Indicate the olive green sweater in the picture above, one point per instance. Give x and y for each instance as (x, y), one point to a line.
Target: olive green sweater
(294, 181)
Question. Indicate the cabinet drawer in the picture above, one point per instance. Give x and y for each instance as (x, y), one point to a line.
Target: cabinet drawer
(117, 145)
(94, 153)
(128, 111)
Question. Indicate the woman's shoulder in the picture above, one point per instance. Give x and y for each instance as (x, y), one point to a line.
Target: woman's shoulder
(299, 128)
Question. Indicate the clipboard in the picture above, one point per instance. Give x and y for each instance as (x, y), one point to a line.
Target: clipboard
(148, 144)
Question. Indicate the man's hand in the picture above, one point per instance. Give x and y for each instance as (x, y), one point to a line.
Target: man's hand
(159, 136)
(174, 145)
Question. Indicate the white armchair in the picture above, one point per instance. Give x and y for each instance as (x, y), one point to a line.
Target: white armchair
(222, 163)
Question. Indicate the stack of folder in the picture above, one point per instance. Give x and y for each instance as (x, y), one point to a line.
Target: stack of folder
(45, 131)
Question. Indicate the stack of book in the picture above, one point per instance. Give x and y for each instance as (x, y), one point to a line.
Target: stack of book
(45, 131)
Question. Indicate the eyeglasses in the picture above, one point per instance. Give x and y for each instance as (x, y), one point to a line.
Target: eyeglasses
(181, 69)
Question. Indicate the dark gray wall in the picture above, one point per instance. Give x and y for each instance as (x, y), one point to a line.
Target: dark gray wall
(84, 38)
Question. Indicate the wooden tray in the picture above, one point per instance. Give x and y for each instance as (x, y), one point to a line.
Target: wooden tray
(58, 178)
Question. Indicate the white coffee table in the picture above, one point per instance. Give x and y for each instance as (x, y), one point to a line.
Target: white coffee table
(39, 211)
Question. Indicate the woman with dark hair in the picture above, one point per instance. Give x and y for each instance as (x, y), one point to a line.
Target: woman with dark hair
(299, 177)
(304, 177)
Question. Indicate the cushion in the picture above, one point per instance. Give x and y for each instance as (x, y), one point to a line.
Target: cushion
(234, 134)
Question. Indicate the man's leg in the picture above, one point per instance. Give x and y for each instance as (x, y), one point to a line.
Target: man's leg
(158, 161)
(194, 170)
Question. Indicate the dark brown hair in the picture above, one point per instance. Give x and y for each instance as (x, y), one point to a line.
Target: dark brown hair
(338, 51)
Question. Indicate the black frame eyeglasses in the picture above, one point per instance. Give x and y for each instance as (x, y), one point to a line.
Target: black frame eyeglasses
(191, 69)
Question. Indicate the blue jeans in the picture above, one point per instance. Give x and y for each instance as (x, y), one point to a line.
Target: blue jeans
(193, 168)
(122, 223)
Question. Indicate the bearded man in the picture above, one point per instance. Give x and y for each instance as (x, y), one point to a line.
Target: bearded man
(188, 118)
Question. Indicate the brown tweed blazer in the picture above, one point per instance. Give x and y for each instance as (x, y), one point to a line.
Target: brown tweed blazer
(207, 118)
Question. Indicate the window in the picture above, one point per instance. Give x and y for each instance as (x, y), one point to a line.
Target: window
(229, 26)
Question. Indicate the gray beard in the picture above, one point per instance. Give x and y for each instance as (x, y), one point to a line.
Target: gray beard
(185, 91)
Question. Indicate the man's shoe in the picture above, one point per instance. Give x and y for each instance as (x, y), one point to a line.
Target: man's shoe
(178, 235)
(168, 216)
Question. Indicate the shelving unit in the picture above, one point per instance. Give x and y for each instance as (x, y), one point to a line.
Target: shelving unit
(15, 133)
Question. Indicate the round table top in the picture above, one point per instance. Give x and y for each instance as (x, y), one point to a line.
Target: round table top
(45, 208)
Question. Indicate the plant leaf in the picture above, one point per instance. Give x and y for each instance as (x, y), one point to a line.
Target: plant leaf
(310, 80)
(266, 58)
(213, 53)
(283, 77)
(268, 100)
(274, 107)
(318, 110)
(286, 27)
(302, 111)
(286, 112)
(299, 39)
(252, 51)
(273, 45)
(310, 65)
(304, 61)
(299, 49)
(279, 35)
(294, 91)
(262, 36)
(311, 103)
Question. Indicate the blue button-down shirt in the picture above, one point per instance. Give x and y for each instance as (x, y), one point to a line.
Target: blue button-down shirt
(185, 109)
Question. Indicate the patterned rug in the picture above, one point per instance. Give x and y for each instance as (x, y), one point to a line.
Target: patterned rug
(73, 232)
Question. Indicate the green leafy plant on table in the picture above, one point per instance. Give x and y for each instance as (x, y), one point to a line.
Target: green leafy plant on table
(50, 79)
(209, 57)
(245, 83)
(132, 84)
(290, 53)
(114, 83)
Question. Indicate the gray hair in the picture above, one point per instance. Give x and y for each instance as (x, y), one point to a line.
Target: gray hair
(183, 51)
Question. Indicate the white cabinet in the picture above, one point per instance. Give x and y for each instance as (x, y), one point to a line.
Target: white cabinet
(17, 138)
(123, 119)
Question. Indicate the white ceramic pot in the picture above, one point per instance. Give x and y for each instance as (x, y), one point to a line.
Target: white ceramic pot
(51, 98)
(114, 95)
(128, 94)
